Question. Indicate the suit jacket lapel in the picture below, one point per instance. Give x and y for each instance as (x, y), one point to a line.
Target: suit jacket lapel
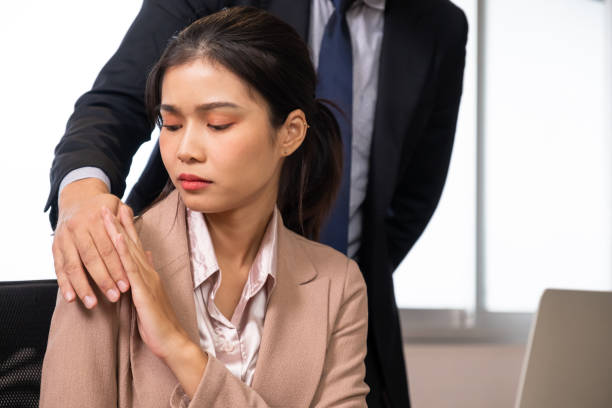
(292, 350)
(406, 55)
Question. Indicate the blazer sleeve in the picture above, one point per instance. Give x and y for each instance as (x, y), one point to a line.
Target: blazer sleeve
(109, 122)
(420, 185)
(82, 366)
(342, 381)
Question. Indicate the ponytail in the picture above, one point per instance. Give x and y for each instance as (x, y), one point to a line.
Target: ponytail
(310, 177)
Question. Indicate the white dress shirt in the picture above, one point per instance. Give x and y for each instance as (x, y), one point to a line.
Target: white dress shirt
(365, 20)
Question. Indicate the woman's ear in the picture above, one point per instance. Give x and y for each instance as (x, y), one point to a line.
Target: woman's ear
(293, 132)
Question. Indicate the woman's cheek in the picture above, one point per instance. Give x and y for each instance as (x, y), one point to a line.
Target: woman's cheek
(167, 153)
(234, 155)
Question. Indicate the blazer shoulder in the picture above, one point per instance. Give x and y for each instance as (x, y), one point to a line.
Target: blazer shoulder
(328, 262)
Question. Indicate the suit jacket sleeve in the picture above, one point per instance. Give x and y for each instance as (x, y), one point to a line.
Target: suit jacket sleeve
(420, 185)
(82, 364)
(342, 381)
(109, 122)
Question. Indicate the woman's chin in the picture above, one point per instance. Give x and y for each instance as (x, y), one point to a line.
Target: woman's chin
(203, 204)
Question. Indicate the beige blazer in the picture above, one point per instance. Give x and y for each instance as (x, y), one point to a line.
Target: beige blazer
(312, 349)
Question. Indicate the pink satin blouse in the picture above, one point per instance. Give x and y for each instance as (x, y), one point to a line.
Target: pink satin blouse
(234, 342)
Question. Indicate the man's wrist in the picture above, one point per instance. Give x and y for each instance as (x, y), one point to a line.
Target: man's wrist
(83, 173)
(80, 189)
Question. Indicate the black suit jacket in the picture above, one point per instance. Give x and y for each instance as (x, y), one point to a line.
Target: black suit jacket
(419, 88)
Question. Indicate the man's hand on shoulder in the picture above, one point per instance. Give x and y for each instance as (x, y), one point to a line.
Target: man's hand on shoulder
(82, 247)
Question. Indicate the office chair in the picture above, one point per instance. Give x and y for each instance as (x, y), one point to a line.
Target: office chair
(25, 316)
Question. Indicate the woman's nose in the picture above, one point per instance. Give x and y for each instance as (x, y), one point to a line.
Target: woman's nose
(191, 146)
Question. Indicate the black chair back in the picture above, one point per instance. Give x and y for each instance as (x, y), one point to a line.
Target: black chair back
(25, 316)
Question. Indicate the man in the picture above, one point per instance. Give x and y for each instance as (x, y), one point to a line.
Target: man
(408, 59)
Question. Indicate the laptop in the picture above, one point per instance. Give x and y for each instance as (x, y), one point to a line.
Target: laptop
(569, 353)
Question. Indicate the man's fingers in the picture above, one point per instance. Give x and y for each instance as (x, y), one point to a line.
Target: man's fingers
(62, 279)
(74, 272)
(83, 243)
(95, 266)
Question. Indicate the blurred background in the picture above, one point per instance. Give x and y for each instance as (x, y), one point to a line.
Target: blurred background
(527, 204)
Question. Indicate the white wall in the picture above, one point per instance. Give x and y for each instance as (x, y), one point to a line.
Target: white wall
(51, 53)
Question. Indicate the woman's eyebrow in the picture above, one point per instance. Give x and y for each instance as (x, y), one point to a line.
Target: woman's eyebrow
(202, 107)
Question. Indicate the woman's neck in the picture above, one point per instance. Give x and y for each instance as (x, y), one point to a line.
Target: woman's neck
(236, 235)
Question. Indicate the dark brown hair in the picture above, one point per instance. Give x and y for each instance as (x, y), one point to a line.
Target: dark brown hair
(272, 59)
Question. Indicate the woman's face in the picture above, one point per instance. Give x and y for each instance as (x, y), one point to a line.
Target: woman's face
(217, 143)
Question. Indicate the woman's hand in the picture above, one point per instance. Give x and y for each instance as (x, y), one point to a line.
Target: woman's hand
(157, 323)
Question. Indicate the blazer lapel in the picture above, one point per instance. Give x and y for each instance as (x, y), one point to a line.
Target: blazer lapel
(406, 55)
(292, 350)
(178, 282)
(294, 341)
(164, 233)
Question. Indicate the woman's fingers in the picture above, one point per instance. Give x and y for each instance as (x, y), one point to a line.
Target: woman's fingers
(133, 257)
(150, 258)
(132, 267)
(127, 221)
(127, 225)
(110, 258)
(115, 231)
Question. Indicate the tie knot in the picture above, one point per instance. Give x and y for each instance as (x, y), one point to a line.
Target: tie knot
(342, 5)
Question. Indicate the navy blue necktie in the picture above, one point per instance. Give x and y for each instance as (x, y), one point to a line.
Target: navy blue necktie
(336, 84)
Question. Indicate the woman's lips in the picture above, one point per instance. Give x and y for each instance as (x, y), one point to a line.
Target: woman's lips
(192, 182)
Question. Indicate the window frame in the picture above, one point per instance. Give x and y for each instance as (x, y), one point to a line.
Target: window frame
(478, 325)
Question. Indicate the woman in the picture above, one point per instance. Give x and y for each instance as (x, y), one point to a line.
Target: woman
(228, 307)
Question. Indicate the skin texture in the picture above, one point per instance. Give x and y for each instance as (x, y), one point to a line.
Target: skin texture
(214, 127)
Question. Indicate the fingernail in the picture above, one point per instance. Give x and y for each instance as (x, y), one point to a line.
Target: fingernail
(89, 301)
(112, 294)
(122, 286)
(69, 296)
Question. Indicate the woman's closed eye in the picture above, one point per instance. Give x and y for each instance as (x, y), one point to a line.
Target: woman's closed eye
(172, 128)
(220, 127)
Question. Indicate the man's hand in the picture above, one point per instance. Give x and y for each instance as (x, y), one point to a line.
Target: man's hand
(81, 245)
